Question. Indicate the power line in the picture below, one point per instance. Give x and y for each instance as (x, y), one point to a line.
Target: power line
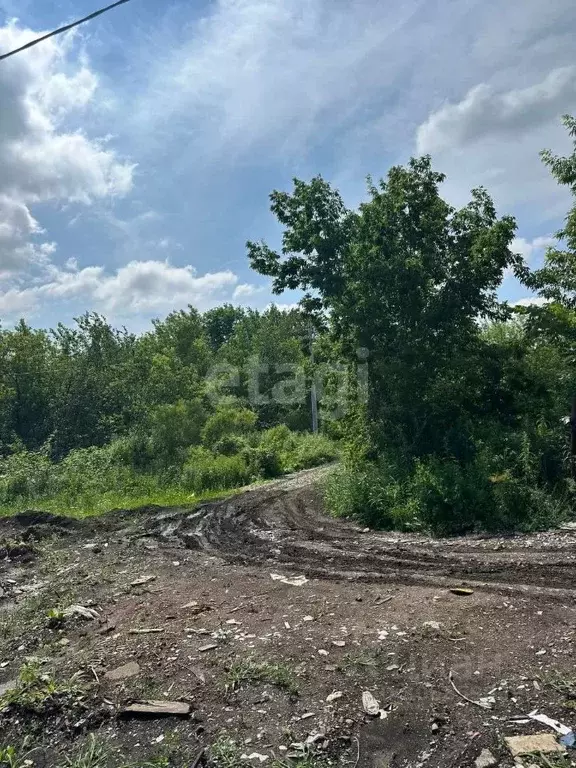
(63, 29)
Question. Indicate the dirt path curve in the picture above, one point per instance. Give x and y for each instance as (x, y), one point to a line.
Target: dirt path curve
(283, 524)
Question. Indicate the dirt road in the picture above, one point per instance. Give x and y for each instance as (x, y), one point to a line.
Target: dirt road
(272, 620)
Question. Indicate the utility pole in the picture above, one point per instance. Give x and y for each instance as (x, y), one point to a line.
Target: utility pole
(313, 393)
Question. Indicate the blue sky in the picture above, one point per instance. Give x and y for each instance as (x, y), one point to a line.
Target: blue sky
(137, 155)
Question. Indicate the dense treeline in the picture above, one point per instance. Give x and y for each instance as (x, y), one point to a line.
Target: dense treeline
(464, 421)
(449, 406)
(92, 415)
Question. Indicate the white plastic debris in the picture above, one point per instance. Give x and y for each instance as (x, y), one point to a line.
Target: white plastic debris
(255, 756)
(560, 728)
(371, 706)
(334, 696)
(81, 610)
(293, 581)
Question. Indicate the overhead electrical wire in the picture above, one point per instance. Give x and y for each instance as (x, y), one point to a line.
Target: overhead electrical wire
(63, 29)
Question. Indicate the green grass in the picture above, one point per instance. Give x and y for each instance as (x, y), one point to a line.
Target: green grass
(249, 671)
(100, 504)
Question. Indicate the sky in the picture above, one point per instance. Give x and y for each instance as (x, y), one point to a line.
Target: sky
(137, 154)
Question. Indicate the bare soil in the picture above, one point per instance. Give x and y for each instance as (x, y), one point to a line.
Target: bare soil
(375, 614)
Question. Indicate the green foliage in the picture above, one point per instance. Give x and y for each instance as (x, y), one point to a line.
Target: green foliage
(461, 427)
(37, 691)
(252, 671)
(227, 421)
(205, 470)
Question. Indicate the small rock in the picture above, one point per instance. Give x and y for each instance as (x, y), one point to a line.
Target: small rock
(124, 672)
(485, 759)
(538, 742)
(142, 580)
(156, 709)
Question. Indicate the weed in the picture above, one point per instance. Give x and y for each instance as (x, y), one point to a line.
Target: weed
(92, 755)
(35, 691)
(361, 659)
(225, 753)
(563, 684)
(55, 617)
(550, 761)
(252, 671)
(10, 757)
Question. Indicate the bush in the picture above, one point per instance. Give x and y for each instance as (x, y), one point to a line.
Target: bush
(24, 475)
(493, 492)
(205, 471)
(282, 450)
(369, 494)
(226, 421)
(312, 451)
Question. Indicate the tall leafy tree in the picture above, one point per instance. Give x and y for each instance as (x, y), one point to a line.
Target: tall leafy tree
(407, 277)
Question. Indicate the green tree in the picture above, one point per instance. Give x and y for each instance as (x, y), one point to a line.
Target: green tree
(406, 277)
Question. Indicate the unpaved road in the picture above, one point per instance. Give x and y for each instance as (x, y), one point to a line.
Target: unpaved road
(376, 613)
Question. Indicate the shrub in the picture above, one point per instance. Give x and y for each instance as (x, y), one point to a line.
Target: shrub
(313, 450)
(24, 475)
(226, 421)
(205, 471)
(369, 494)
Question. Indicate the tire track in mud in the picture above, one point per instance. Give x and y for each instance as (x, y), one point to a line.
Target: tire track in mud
(283, 526)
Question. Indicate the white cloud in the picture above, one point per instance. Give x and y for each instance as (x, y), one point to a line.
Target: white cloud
(140, 287)
(485, 113)
(246, 291)
(270, 74)
(528, 248)
(42, 161)
(531, 301)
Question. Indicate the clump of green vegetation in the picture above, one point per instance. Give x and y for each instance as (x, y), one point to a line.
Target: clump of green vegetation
(12, 757)
(93, 754)
(251, 671)
(38, 691)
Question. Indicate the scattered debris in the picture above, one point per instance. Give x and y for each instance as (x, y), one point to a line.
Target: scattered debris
(209, 647)
(146, 631)
(537, 742)
(485, 759)
(255, 756)
(293, 581)
(339, 643)
(156, 709)
(432, 624)
(143, 580)
(485, 703)
(334, 696)
(81, 610)
(124, 672)
(307, 715)
(463, 591)
(563, 730)
(569, 740)
(371, 706)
